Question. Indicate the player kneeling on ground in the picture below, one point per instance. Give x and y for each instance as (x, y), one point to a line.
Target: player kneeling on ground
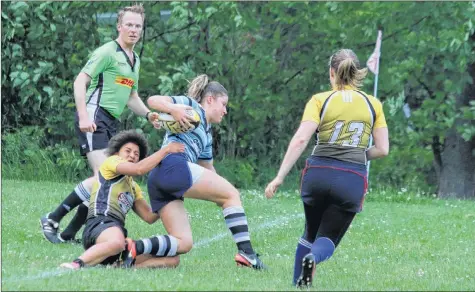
(114, 193)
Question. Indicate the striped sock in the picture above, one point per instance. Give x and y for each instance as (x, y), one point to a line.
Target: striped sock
(303, 248)
(161, 246)
(237, 222)
(82, 192)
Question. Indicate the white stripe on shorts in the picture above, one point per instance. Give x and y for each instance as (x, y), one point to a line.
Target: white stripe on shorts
(196, 171)
(91, 112)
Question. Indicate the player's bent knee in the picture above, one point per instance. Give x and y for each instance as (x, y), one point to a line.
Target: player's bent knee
(233, 198)
(185, 245)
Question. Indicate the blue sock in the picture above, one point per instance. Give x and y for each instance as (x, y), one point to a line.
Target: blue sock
(303, 248)
(322, 249)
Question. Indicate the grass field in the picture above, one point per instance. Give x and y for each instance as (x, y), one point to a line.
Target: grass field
(399, 242)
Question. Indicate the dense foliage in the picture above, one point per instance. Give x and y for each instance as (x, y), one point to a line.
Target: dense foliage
(271, 56)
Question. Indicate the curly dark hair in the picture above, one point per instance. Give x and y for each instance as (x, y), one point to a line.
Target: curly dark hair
(125, 137)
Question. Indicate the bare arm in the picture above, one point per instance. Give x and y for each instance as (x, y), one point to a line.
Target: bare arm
(165, 104)
(296, 146)
(144, 211)
(136, 104)
(80, 88)
(381, 144)
(148, 163)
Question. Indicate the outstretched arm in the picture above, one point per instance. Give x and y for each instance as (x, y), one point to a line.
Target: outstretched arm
(296, 146)
(148, 163)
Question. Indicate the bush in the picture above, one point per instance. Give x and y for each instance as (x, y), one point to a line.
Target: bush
(26, 156)
(238, 172)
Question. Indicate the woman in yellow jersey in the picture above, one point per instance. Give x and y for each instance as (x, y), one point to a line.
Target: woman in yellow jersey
(114, 193)
(334, 180)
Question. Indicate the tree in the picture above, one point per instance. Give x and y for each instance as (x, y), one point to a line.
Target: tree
(457, 175)
(271, 56)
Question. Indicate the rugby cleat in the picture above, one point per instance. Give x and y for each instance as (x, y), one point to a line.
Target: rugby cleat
(71, 266)
(50, 229)
(129, 254)
(249, 260)
(308, 271)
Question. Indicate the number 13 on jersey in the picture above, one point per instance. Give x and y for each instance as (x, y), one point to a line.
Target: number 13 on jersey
(348, 133)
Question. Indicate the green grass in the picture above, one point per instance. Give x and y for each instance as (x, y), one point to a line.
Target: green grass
(399, 242)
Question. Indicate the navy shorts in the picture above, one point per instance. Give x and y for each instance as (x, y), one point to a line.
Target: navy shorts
(94, 227)
(106, 128)
(330, 181)
(169, 181)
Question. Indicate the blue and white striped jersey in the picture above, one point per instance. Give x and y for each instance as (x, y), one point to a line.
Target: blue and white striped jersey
(199, 142)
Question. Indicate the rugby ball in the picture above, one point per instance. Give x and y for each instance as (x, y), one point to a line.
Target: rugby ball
(170, 124)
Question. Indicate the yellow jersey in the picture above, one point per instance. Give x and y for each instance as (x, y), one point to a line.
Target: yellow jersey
(346, 118)
(113, 194)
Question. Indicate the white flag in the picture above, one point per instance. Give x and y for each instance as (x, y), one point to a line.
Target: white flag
(373, 61)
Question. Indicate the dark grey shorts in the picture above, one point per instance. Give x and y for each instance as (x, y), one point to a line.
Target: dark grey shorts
(106, 128)
(94, 227)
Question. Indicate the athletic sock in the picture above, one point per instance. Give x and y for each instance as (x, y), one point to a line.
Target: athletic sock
(303, 248)
(161, 246)
(76, 223)
(74, 199)
(237, 222)
(322, 249)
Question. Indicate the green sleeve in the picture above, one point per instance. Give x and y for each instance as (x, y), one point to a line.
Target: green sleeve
(97, 63)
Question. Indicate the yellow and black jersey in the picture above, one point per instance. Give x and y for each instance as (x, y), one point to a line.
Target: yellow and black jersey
(113, 194)
(346, 118)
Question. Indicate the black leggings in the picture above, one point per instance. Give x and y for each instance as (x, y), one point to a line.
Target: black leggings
(326, 220)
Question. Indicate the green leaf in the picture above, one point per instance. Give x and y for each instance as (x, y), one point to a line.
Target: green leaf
(210, 11)
(17, 82)
(4, 15)
(18, 8)
(24, 75)
(36, 77)
(48, 90)
(14, 74)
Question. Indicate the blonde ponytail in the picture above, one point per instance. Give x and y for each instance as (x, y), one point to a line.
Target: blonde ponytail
(201, 86)
(197, 86)
(345, 64)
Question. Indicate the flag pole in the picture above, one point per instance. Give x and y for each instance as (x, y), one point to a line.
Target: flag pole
(374, 58)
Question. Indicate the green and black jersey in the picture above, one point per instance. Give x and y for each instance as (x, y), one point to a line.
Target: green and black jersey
(113, 78)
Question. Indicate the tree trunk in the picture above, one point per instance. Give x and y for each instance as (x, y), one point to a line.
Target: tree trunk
(457, 176)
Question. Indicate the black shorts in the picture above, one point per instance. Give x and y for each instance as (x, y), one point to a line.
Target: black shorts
(94, 227)
(331, 181)
(106, 128)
